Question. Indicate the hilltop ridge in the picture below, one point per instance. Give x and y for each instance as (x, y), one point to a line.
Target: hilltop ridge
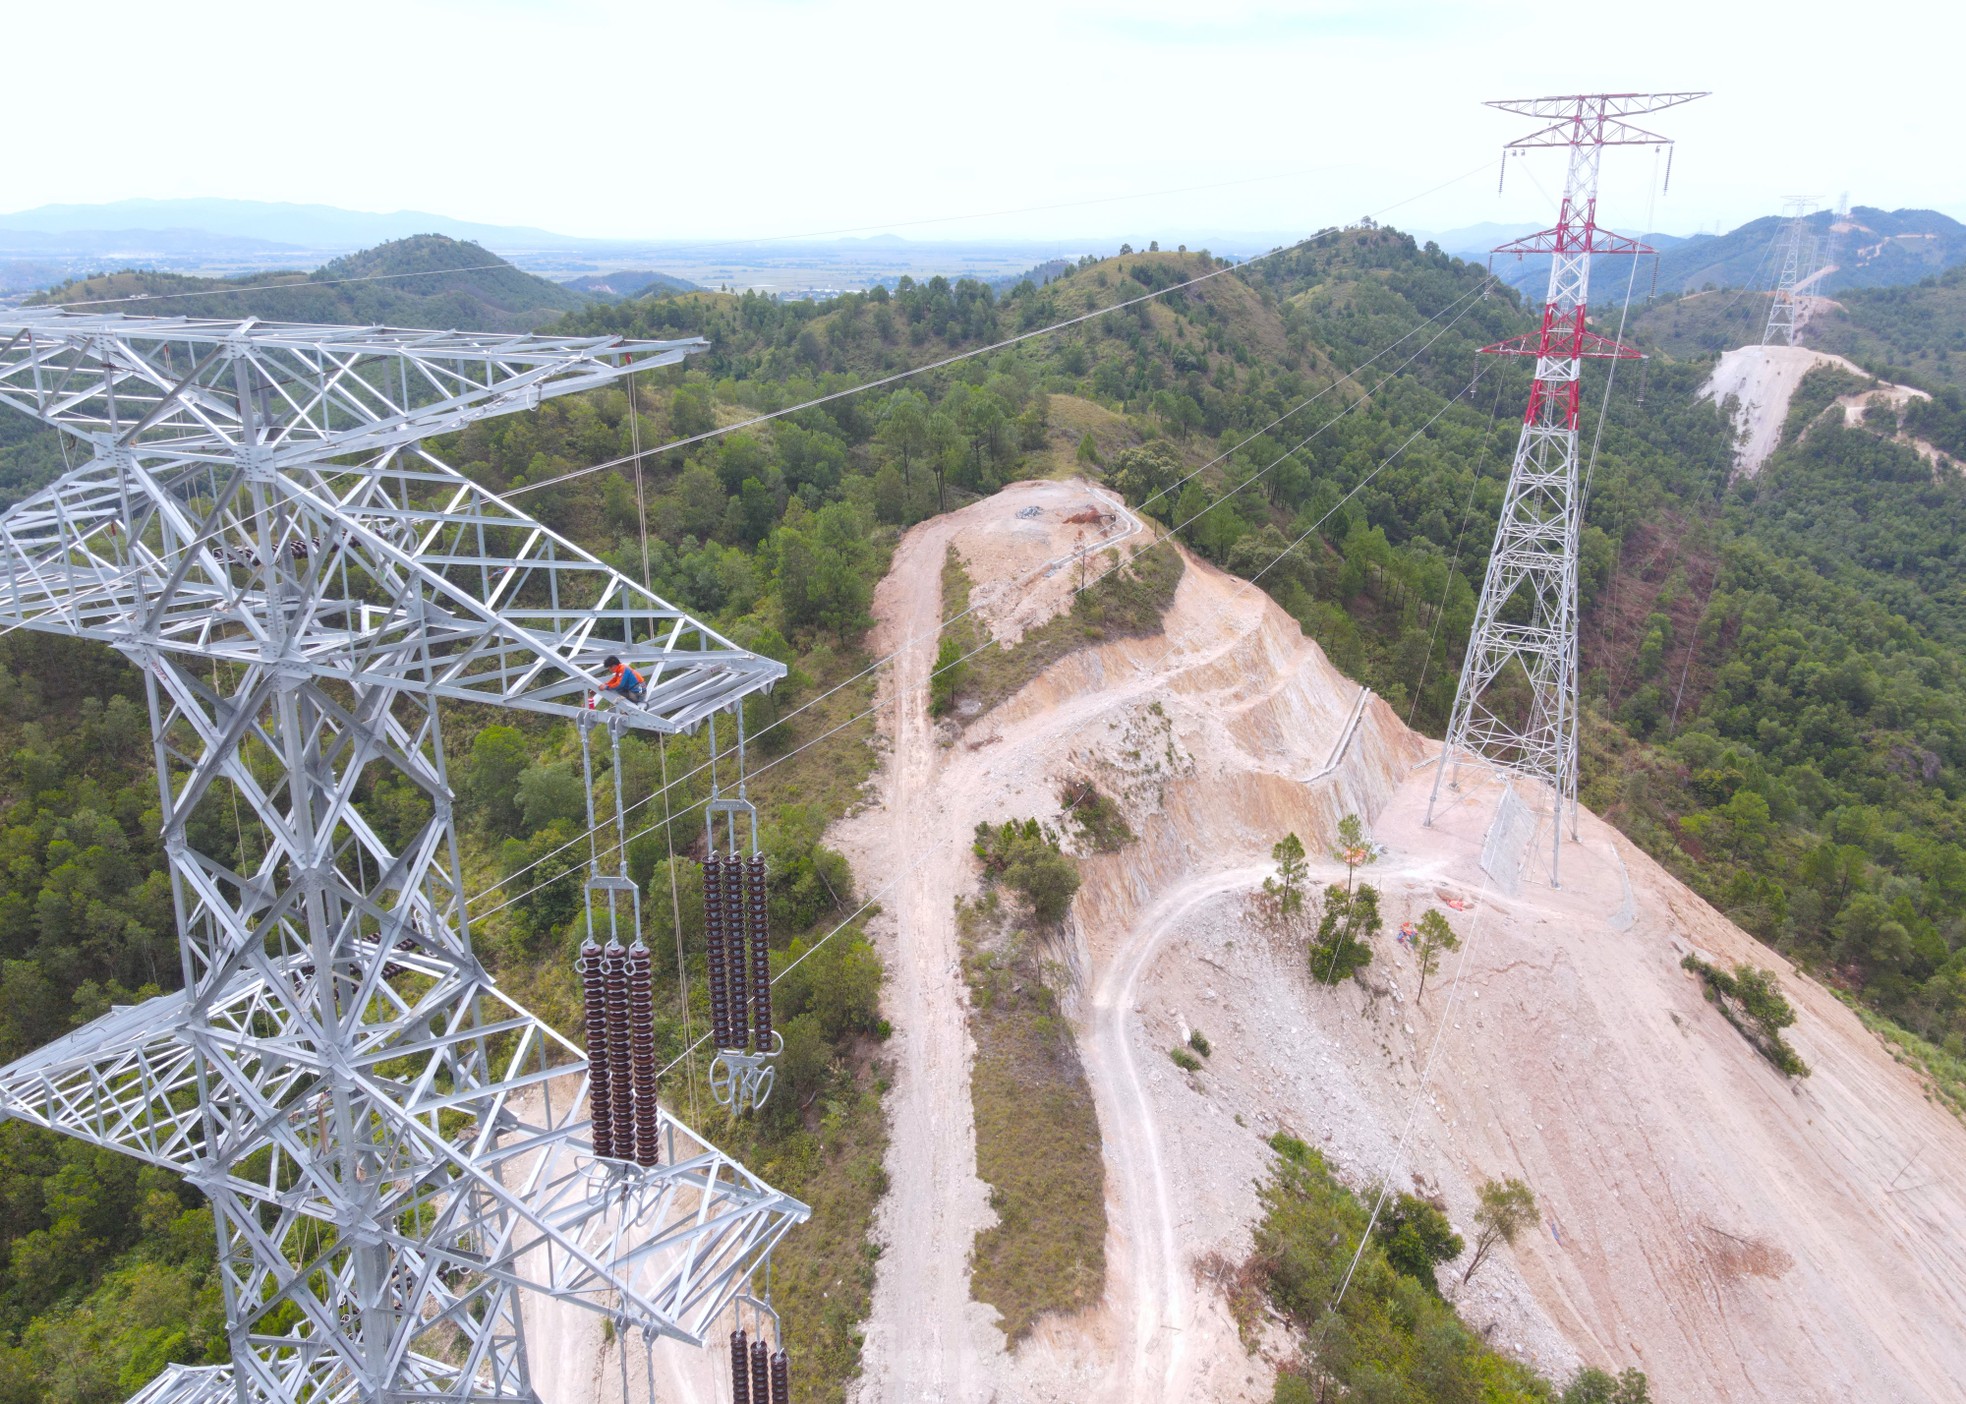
(467, 288)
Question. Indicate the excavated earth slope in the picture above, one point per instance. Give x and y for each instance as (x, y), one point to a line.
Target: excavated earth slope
(1763, 379)
(1736, 1235)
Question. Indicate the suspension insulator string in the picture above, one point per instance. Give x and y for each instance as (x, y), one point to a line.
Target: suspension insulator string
(740, 1374)
(760, 1370)
(593, 986)
(732, 897)
(760, 944)
(642, 1044)
(781, 1375)
(713, 941)
(621, 1063)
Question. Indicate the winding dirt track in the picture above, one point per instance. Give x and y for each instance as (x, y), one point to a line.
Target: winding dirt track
(1154, 1359)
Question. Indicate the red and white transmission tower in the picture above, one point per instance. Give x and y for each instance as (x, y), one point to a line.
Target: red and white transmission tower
(1527, 615)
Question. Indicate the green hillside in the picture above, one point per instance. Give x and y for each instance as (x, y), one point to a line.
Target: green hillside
(1775, 675)
(1915, 334)
(491, 295)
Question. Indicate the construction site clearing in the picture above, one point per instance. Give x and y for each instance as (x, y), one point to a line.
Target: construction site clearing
(1735, 1234)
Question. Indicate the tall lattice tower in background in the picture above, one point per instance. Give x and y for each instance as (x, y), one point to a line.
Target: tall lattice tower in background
(394, 1150)
(1516, 705)
(1799, 261)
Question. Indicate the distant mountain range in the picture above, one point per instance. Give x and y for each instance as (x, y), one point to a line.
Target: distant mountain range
(1870, 248)
(425, 281)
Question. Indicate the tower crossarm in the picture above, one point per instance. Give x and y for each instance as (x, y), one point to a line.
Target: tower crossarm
(205, 387)
(1591, 118)
(1574, 238)
(400, 572)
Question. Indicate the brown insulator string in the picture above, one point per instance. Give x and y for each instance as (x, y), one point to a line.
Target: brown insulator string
(733, 903)
(593, 985)
(740, 1375)
(754, 901)
(621, 1061)
(713, 940)
(641, 1030)
(760, 1372)
(781, 1378)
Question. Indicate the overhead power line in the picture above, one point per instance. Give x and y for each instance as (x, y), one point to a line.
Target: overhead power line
(1459, 307)
(970, 354)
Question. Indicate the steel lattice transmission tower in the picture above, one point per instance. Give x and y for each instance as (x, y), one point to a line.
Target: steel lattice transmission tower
(395, 1151)
(1516, 704)
(1799, 251)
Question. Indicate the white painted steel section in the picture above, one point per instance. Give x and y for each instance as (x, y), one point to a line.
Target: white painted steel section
(395, 1151)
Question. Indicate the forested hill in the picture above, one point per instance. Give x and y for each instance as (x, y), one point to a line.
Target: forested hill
(1775, 672)
(1775, 676)
(1915, 334)
(1870, 248)
(605, 287)
(425, 281)
(489, 294)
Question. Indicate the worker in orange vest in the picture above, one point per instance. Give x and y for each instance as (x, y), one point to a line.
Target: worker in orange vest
(622, 679)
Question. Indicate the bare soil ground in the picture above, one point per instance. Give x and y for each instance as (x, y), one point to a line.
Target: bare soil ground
(1735, 1235)
(1763, 380)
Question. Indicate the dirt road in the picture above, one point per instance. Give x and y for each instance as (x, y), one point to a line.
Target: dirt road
(926, 1340)
(1153, 1358)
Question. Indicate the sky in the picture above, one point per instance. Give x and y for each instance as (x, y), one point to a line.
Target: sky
(1091, 120)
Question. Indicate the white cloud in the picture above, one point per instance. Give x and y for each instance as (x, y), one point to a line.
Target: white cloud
(780, 117)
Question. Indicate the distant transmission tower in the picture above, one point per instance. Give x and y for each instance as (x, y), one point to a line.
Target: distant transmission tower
(395, 1152)
(1516, 704)
(1798, 263)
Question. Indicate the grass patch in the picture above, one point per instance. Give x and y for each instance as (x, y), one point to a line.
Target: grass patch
(1096, 820)
(823, 1271)
(1125, 600)
(1037, 1135)
(1945, 1073)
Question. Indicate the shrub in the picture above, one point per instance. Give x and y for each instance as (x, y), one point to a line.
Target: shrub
(1027, 860)
(1507, 1208)
(1753, 1003)
(1198, 1042)
(1100, 824)
(1417, 1238)
(1184, 1060)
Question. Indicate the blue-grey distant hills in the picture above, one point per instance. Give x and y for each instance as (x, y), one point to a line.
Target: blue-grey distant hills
(425, 281)
(1868, 248)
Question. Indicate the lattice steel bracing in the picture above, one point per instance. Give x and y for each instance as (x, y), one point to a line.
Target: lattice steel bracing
(394, 1150)
(1799, 261)
(1516, 704)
